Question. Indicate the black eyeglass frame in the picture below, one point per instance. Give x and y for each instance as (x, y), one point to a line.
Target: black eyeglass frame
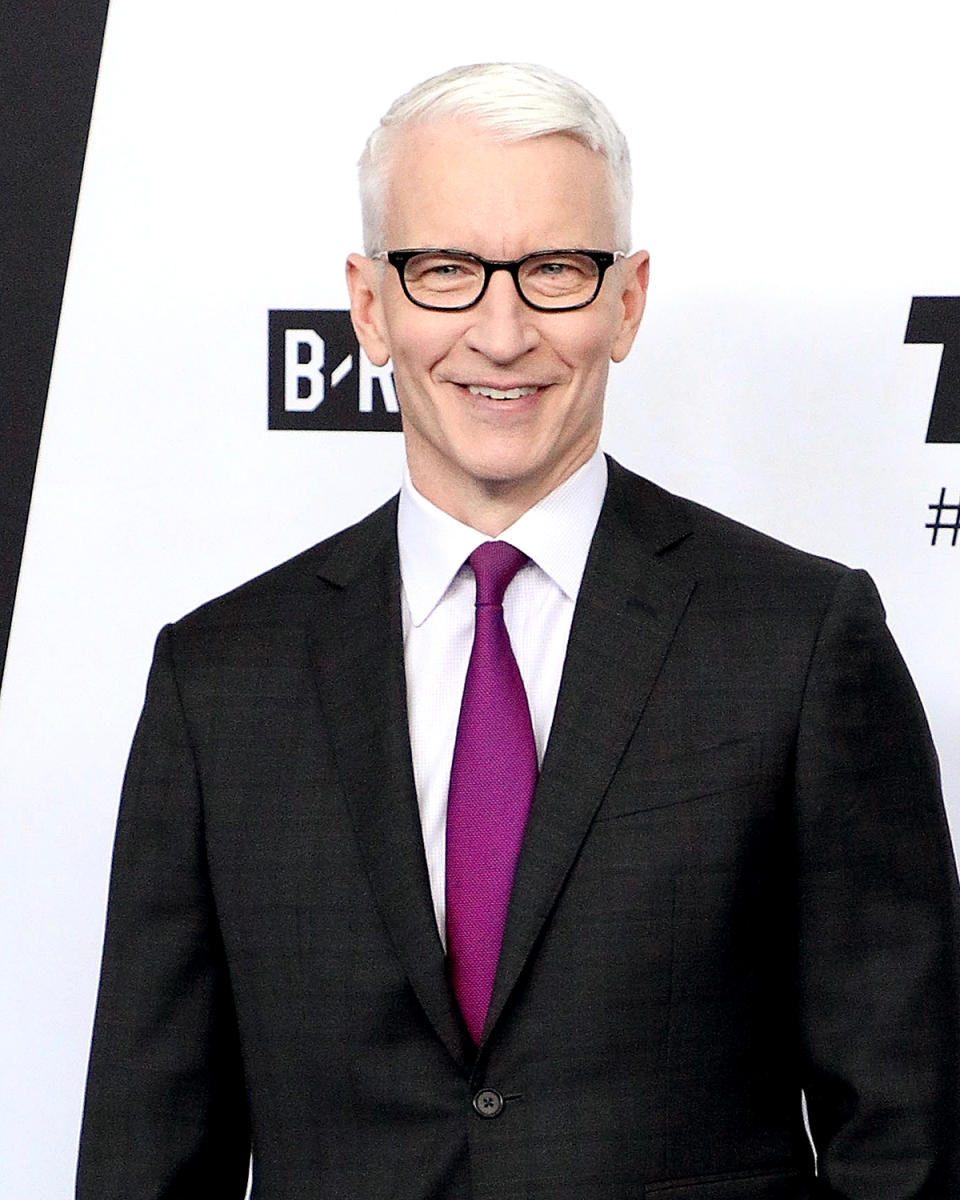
(602, 259)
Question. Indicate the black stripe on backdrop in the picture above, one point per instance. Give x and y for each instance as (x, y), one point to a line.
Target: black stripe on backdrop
(49, 58)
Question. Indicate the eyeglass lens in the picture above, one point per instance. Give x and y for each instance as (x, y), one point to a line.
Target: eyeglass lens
(547, 280)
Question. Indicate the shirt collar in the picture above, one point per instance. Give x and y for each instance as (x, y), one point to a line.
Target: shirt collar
(555, 533)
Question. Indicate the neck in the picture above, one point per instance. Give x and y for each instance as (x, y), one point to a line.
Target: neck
(488, 505)
(490, 514)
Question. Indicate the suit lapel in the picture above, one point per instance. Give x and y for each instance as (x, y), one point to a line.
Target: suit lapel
(630, 604)
(358, 655)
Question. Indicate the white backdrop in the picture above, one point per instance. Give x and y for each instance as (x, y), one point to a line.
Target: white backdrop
(797, 182)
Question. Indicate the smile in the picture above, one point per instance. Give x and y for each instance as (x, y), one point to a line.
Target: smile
(496, 394)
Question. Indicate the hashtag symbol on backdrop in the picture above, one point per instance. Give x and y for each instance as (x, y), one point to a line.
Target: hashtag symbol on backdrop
(946, 518)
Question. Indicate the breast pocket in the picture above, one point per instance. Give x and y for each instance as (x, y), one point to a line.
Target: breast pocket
(646, 783)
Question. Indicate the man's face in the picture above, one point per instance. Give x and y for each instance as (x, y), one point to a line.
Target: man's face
(452, 186)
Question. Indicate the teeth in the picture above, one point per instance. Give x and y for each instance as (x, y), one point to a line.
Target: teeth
(496, 394)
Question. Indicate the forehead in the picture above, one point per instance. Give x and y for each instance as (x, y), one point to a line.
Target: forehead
(451, 184)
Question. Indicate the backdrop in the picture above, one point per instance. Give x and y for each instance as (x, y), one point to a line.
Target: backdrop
(796, 180)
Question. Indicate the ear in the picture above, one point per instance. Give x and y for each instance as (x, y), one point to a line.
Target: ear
(633, 297)
(366, 309)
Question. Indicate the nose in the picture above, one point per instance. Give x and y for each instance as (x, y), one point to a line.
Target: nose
(502, 328)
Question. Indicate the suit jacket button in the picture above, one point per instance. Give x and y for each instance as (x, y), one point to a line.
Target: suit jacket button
(488, 1103)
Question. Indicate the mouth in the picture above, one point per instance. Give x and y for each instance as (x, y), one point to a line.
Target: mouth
(492, 393)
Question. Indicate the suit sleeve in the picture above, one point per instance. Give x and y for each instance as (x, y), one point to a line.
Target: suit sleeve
(878, 920)
(165, 1116)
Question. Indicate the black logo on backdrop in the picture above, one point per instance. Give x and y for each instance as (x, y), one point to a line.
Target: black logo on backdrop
(318, 379)
(936, 320)
(946, 518)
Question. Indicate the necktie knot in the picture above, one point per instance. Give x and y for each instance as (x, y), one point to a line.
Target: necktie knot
(494, 565)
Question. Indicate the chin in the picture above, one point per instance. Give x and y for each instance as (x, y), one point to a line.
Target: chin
(502, 470)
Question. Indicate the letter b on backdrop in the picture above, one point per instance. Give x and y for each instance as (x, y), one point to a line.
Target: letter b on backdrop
(319, 379)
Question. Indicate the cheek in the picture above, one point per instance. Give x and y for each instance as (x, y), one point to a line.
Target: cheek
(419, 339)
(585, 344)
(590, 358)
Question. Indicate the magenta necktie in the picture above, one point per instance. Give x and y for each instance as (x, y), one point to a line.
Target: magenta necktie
(491, 784)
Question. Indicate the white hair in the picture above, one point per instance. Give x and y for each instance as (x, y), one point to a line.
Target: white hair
(512, 101)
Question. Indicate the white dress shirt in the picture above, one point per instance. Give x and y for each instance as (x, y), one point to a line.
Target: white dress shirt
(438, 594)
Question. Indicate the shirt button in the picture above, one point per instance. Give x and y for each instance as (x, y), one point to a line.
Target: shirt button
(488, 1103)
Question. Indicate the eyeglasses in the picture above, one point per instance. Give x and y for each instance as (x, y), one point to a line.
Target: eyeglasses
(550, 281)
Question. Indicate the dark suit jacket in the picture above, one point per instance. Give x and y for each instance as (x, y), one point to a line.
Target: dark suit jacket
(736, 883)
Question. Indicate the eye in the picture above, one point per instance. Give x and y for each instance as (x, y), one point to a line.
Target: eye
(444, 269)
(552, 268)
(557, 268)
(441, 272)
(548, 278)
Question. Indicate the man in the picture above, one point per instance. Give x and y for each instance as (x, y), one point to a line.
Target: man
(574, 894)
